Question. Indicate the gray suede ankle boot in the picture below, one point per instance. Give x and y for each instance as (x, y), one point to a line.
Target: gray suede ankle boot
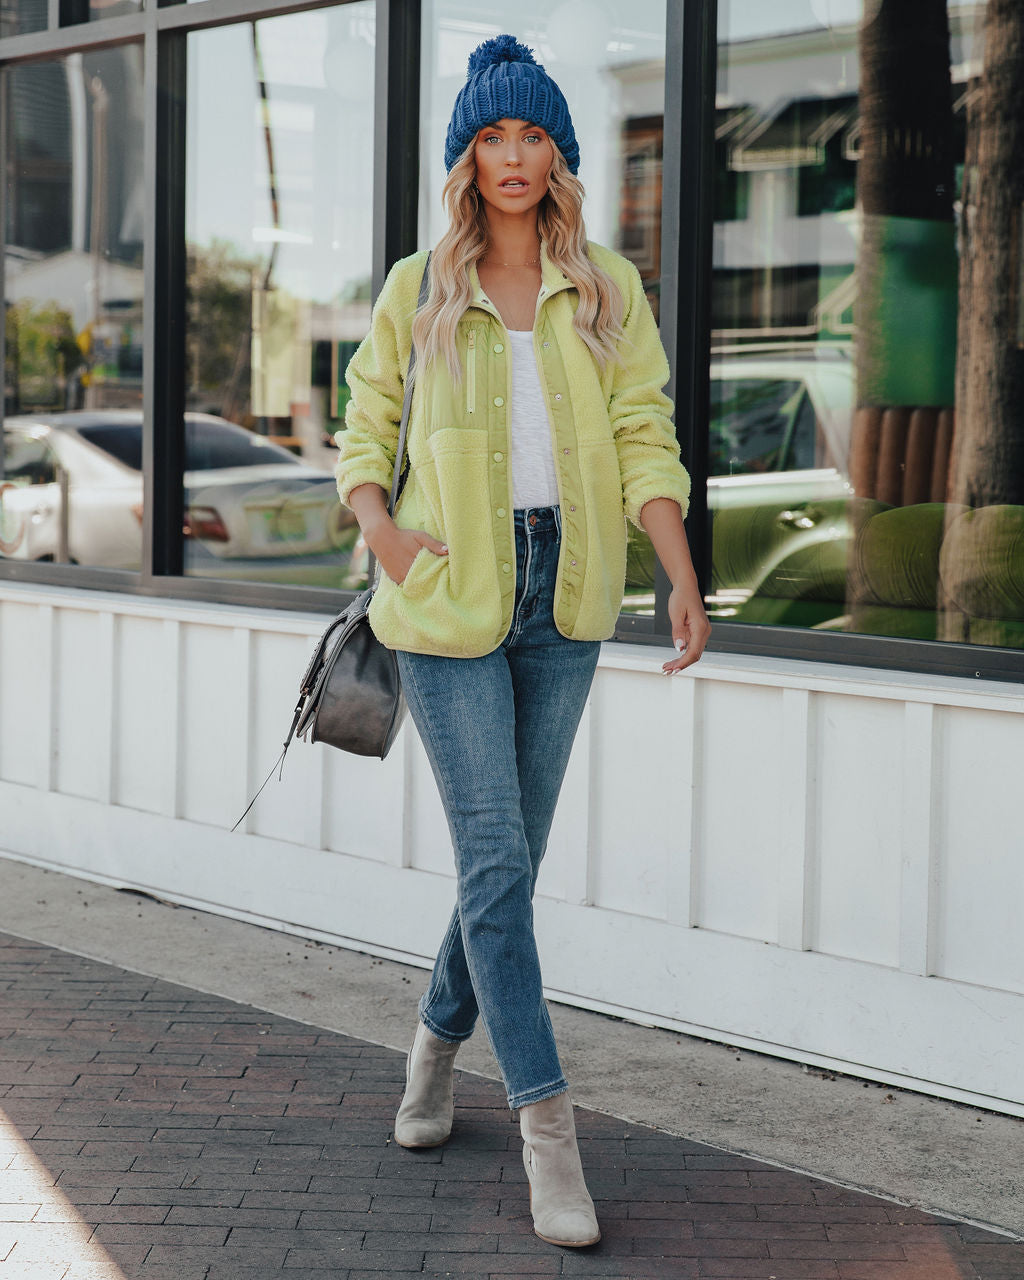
(425, 1117)
(563, 1212)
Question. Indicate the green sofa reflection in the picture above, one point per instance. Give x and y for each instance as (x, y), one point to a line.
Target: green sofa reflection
(923, 572)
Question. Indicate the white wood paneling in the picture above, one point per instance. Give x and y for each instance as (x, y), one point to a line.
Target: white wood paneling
(82, 705)
(821, 862)
(26, 680)
(213, 761)
(737, 886)
(364, 801)
(167, 701)
(858, 820)
(686, 729)
(980, 849)
(291, 805)
(918, 879)
(796, 867)
(635, 836)
(140, 704)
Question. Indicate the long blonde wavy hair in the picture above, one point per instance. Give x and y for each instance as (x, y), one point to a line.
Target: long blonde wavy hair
(598, 318)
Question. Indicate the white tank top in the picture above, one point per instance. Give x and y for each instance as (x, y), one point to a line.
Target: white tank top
(531, 454)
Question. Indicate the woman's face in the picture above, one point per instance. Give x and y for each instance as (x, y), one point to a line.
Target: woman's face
(513, 160)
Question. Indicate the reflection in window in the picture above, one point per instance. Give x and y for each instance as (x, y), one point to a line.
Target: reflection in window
(278, 227)
(105, 9)
(609, 61)
(760, 425)
(880, 487)
(73, 266)
(18, 17)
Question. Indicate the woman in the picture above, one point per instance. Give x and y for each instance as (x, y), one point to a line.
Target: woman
(537, 423)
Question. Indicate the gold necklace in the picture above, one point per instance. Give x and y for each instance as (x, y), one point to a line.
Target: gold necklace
(534, 262)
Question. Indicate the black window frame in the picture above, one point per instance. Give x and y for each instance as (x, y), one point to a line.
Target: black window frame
(691, 70)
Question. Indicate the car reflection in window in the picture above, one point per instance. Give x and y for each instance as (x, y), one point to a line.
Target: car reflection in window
(252, 509)
(783, 511)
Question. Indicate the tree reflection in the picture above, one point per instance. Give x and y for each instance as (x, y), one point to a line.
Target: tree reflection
(940, 319)
(41, 357)
(983, 551)
(988, 455)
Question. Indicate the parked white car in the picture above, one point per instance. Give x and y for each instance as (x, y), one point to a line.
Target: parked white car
(252, 509)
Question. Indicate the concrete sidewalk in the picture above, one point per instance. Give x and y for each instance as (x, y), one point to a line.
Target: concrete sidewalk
(926, 1153)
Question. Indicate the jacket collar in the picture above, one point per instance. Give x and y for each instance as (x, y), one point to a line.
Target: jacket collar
(551, 281)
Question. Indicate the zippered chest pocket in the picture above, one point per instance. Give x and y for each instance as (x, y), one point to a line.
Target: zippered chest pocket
(470, 378)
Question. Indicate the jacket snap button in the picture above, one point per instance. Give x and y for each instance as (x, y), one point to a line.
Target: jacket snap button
(498, 457)
(558, 395)
(573, 563)
(500, 513)
(498, 401)
(498, 348)
(565, 450)
(506, 568)
(572, 508)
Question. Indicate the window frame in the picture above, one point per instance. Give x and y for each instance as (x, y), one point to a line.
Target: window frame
(691, 69)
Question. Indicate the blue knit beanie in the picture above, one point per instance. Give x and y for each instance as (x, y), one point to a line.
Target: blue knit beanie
(505, 82)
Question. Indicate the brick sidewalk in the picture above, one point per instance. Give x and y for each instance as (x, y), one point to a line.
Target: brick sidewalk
(149, 1131)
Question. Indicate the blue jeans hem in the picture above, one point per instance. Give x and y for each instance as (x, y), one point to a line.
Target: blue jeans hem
(447, 1036)
(530, 1096)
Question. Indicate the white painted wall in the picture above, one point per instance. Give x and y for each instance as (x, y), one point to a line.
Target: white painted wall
(815, 861)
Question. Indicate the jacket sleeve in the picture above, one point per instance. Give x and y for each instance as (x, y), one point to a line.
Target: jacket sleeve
(376, 380)
(645, 437)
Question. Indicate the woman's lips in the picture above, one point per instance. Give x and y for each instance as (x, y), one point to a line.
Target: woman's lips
(513, 184)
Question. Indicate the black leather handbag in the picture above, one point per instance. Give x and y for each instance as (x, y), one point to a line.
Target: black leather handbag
(350, 696)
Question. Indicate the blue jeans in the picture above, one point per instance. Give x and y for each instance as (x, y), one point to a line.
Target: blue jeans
(498, 731)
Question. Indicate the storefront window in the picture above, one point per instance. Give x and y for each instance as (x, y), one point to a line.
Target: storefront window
(609, 61)
(279, 225)
(73, 268)
(867, 423)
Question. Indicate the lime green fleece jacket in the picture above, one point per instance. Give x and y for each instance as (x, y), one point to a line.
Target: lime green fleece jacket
(614, 445)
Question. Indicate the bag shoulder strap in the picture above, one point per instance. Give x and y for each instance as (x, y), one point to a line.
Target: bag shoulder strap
(403, 430)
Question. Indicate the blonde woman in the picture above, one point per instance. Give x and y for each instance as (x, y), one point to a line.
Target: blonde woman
(538, 425)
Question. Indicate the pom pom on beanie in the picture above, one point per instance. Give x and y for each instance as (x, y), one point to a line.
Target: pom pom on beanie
(505, 81)
(501, 49)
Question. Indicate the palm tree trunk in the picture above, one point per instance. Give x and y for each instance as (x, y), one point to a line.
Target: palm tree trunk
(981, 565)
(988, 448)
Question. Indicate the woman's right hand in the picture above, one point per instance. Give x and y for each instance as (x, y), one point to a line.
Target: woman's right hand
(396, 548)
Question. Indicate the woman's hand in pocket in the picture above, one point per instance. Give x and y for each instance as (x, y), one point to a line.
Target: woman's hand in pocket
(396, 549)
